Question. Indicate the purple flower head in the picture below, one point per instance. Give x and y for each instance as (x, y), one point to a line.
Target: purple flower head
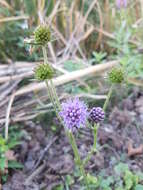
(97, 114)
(121, 3)
(74, 114)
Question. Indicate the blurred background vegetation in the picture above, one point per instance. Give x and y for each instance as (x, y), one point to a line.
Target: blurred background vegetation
(84, 33)
(18, 18)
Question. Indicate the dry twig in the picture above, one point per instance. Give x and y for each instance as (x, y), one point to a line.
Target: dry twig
(134, 151)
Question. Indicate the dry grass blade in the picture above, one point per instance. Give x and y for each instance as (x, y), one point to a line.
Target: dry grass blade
(15, 77)
(14, 18)
(101, 25)
(4, 3)
(55, 10)
(7, 119)
(136, 82)
(78, 30)
(92, 96)
(9, 88)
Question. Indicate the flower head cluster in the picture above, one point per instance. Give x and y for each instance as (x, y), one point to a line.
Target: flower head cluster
(74, 114)
(97, 114)
(116, 75)
(121, 3)
(43, 72)
(42, 35)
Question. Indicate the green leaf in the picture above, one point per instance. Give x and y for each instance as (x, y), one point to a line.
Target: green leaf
(140, 176)
(135, 179)
(3, 149)
(4, 178)
(13, 144)
(14, 164)
(128, 184)
(2, 163)
(139, 187)
(69, 180)
(105, 183)
(49, 6)
(2, 141)
(121, 168)
(107, 188)
(30, 7)
(120, 188)
(73, 66)
(128, 179)
(91, 179)
(59, 187)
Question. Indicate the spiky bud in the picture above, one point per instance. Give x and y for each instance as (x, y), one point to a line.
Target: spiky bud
(97, 114)
(43, 72)
(116, 75)
(42, 35)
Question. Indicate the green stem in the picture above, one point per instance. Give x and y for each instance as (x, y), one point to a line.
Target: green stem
(56, 104)
(95, 128)
(55, 95)
(55, 101)
(78, 160)
(52, 99)
(108, 98)
(50, 88)
(86, 160)
(93, 149)
(45, 54)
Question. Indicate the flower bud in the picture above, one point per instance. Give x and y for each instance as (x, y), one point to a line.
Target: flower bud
(42, 35)
(97, 114)
(116, 75)
(43, 72)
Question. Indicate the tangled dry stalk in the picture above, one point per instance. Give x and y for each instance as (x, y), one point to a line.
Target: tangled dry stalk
(17, 101)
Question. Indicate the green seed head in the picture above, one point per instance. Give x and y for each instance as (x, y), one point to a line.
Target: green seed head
(42, 35)
(116, 75)
(43, 72)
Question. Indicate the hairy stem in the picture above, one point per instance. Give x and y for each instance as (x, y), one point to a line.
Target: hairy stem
(95, 129)
(45, 54)
(108, 98)
(51, 90)
(78, 160)
(96, 126)
(52, 100)
(55, 95)
(93, 149)
(56, 104)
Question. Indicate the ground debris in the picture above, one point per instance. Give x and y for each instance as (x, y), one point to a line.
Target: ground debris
(134, 151)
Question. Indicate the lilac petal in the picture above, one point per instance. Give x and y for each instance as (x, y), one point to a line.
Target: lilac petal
(74, 114)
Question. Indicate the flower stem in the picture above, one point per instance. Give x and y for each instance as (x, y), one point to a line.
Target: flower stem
(108, 98)
(45, 54)
(56, 104)
(78, 160)
(52, 100)
(52, 94)
(55, 95)
(95, 129)
(96, 126)
(93, 149)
